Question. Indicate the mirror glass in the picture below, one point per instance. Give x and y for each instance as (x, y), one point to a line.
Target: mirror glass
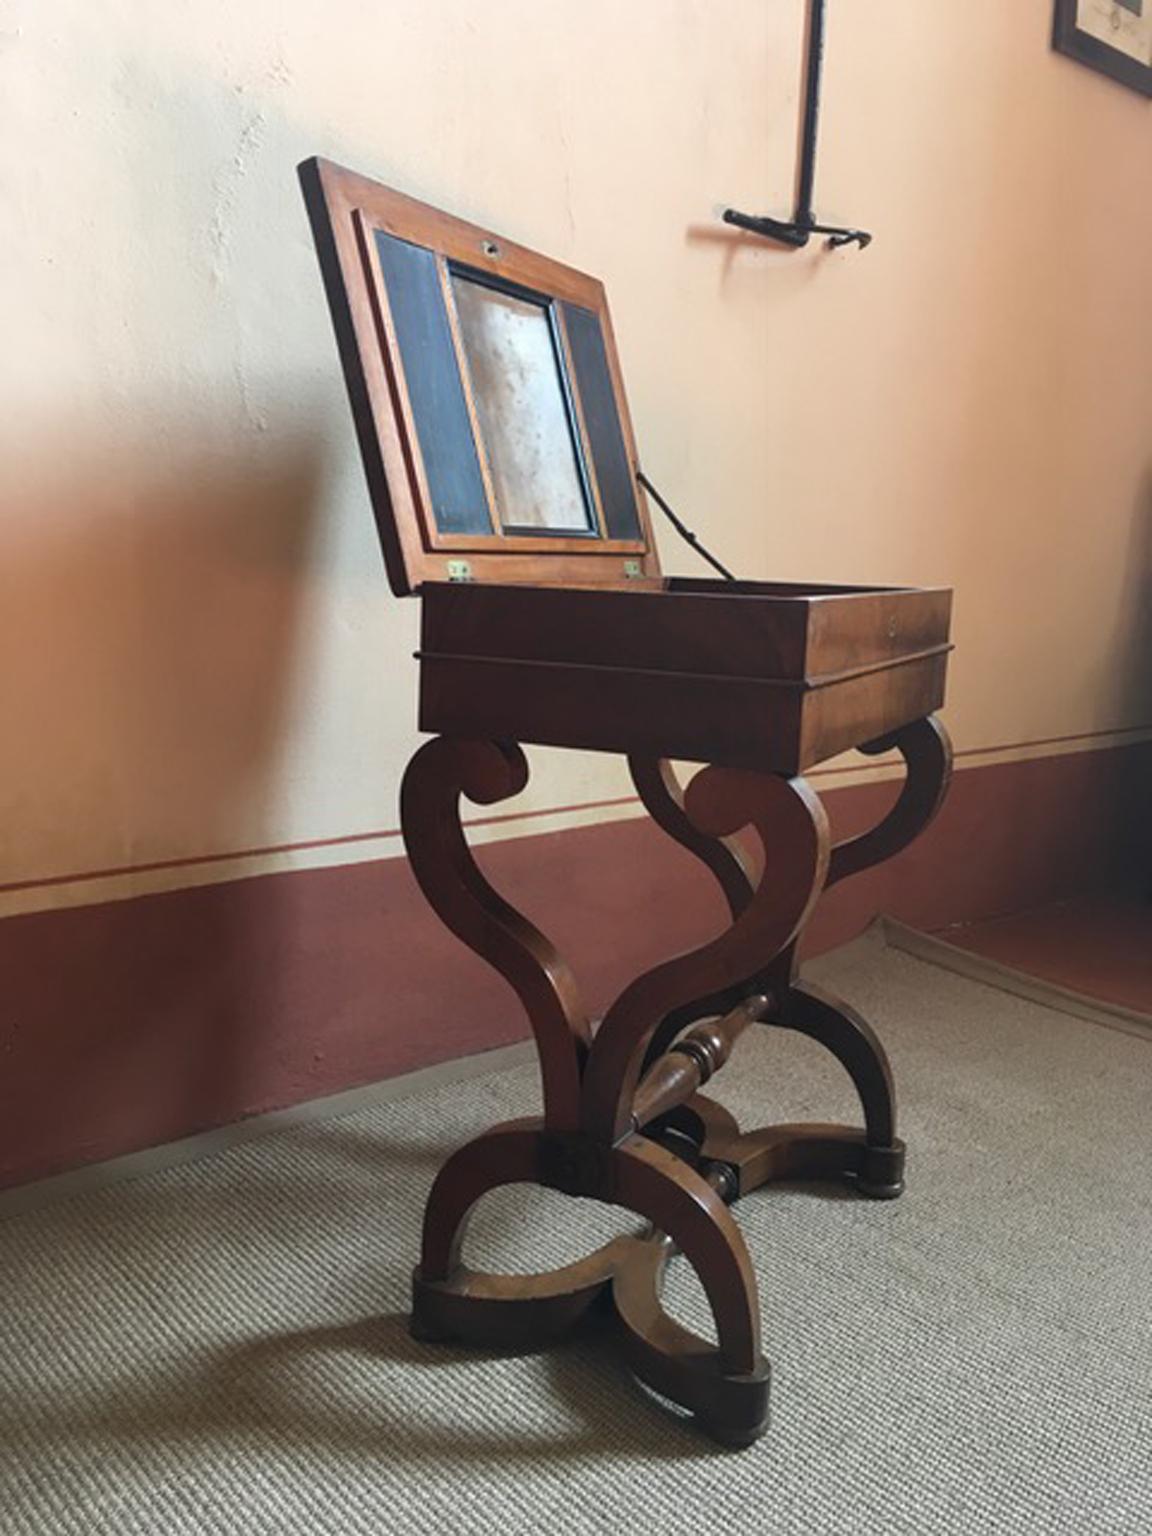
(523, 410)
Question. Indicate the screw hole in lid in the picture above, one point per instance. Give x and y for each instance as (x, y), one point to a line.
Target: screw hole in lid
(490, 248)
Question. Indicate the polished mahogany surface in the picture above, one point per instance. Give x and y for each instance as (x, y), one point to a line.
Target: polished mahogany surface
(504, 478)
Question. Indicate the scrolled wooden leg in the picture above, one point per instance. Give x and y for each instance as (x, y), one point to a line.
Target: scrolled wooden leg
(486, 772)
(451, 1301)
(871, 1159)
(874, 1160)
(504, 1155)
(790, 822)
(726, 1385)
(927, 754)
(727, 858)
(807, 1151)
(851, 1039)
(732, 1408)
(589, 1142)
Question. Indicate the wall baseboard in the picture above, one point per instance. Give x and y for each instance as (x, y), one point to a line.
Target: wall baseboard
(133, 1023)
(934, 950)
(189, 1149)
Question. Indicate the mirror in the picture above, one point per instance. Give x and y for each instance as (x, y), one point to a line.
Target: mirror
(523, 409)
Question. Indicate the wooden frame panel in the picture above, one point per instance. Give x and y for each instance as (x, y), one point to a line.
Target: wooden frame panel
(346, 210)
(1068, 38)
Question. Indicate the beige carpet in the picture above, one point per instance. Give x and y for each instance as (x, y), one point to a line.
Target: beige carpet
(221, 1347)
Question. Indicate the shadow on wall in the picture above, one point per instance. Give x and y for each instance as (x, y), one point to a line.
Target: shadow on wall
(1135, 616)
(159, 573)
(148, 624)
(150, 620)
(1134, 646)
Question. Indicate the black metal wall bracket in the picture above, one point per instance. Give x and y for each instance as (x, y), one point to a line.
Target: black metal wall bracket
(798, 230)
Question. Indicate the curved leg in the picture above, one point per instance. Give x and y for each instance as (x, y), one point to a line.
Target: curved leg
(810, 1011)
(645, 1178)
(872, 1158)
(441, 771)
(451, 1301)
(790, 822)
(678, 1364)
(875, 1160)
(663, 798)
(725, 1384)
(655, 1183)
(927, 754)
(589, 1142)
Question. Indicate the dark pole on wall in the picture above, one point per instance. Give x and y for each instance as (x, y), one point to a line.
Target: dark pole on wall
(813, 66)
(798, 230)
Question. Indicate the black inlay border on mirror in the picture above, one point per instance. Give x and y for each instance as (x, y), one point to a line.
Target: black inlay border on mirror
(435, 389)
(602, 422)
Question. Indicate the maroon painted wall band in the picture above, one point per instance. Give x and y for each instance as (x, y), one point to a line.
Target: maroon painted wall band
(131, 1023)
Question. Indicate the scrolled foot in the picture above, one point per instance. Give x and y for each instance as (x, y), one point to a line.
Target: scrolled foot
(729, 1406)
(743, 1414)
(881, 1175)
(423, 1325)
(511, 1311)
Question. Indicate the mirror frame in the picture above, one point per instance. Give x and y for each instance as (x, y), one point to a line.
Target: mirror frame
(347, 211)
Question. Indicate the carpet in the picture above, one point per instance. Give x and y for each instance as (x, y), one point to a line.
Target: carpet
(221, 1347)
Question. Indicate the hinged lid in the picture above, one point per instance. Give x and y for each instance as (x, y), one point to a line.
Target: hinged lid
(487, 395)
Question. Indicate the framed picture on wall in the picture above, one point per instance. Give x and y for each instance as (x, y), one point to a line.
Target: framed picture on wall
(1113, 36)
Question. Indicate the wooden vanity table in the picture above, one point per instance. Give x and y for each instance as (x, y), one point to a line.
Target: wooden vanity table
(495, 434)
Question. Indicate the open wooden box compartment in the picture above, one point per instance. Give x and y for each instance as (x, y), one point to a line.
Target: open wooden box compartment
(752, 674)
(495, 433)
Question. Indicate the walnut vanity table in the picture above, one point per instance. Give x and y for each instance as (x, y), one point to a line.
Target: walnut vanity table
(495, 434)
